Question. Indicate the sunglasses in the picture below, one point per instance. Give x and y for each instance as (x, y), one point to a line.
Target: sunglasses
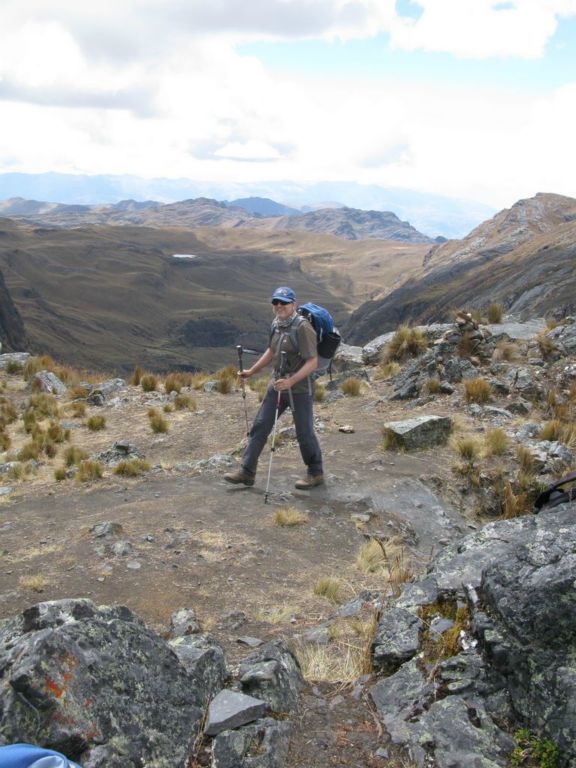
(281, 303)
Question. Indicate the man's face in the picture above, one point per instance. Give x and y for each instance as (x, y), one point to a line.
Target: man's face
(281, 310)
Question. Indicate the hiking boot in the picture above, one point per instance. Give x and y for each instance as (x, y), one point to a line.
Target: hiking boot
(239, 477)
(310, 481)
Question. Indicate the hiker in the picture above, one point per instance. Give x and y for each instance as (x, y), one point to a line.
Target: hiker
(296, 391)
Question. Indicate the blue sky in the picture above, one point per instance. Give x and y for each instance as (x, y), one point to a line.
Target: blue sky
(467, 98)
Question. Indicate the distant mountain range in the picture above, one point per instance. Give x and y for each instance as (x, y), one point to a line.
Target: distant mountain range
(348, 223)
(433, 215)
(523, 258)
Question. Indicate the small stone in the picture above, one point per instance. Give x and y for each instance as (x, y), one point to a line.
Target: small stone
(348, 429)
(230, 709)
(251, 642)
(134, 565)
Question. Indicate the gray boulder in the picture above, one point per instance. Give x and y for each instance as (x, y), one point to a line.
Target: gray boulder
(564, 338)
(96, 684)
(515, 662)
(20, 358)
(347, 358)
(397, 639)
(263, 744)
(203, 658)
(273, 674)
(46, 381)
(419, 432)
(183, 622)
(231, 709)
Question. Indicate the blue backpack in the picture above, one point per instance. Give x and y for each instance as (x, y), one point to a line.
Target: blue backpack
(327, 336)
(29, 756)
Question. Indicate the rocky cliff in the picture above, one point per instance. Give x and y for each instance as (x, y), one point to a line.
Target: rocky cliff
(523, 259)
(12, 334)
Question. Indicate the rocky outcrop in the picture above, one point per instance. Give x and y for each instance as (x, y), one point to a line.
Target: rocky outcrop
(522, 258)
(509, 590)
(97, 685)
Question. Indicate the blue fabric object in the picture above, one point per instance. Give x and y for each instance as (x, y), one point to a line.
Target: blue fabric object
(284, 294)
(320, 318)
(29, 756)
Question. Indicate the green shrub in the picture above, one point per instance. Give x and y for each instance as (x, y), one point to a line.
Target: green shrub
(96, 423)
(60, 474)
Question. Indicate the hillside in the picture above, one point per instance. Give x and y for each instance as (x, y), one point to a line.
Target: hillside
(120, 296)
(523, 258)
(348, 223)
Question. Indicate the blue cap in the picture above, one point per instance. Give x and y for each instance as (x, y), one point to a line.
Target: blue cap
(284, 294)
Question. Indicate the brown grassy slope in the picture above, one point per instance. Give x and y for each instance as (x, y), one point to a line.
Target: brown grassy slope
(115, 297)
(354, 271)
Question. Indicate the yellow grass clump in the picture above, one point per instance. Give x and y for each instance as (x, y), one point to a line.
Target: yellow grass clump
(289, 516)
(96, 423)
(494, 313)
(351, 386)
(406, 342)
(477, 391)
(328, 587)
(131, 467)
(88, 470)
(496, 442)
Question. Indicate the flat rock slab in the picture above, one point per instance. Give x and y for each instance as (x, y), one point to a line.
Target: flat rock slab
(419, 432)
(230, 709)
(514, 330)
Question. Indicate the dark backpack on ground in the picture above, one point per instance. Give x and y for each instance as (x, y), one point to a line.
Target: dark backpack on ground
(557, 493)
(327, 336)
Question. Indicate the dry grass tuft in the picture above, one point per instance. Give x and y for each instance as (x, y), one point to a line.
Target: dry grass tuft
(289, 516)
(183, 402)
(390, 440)
(506, 351)
(351, 386)
(467, 447)
(371, 558)
(4, 441)
(345, 659)
(552, 430)
(131, 467)
(319, 392)
(477, 391)
(33, 582)
(432, 386)
(226, 380)
(149, 382)
(89, 470)
(158, 423)
(43, 405)
(74, 455)
(525, 459)
(496, 442)
(387, 370)
(494, 313)
(96, 423)
(328, 587)
(173, 383)
(406, 342)
(545, 344)
(136, 376)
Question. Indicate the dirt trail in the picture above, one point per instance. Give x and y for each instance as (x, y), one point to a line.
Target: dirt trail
(188, 539)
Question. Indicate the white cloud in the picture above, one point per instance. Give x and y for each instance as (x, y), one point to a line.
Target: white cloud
(482, 28)
(157, 88)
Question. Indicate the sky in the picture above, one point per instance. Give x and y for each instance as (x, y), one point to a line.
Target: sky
(473, 99)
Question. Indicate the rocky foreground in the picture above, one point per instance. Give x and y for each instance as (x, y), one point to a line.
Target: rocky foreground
(477, 646)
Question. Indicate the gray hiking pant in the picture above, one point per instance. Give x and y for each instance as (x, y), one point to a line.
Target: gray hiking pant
(264, 423)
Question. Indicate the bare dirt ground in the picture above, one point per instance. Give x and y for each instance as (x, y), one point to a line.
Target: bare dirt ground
(188, 539)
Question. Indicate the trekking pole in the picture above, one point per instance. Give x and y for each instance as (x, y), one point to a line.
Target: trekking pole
(240, 350)
(273, 447)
